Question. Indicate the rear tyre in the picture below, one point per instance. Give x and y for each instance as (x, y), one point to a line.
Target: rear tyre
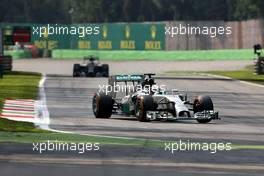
(76, 70)
(144, 104)
(102, 105)
(105, 70)
(202, 103)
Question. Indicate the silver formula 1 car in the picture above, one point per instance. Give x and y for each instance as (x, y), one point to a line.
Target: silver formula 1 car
(139, 96)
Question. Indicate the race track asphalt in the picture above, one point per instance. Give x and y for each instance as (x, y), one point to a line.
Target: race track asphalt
(240, 107)
(64, 67)
(69, 101)
(18, 159)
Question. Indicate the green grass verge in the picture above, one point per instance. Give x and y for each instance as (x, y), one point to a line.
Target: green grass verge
(246, 74)
(228, 54)
(22, 137)
(180, 73)
(19, 85)
(15, 126)
(248, 147)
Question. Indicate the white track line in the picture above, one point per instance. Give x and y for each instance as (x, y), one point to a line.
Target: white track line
(243, 82)
(43, 110)
(252, 84)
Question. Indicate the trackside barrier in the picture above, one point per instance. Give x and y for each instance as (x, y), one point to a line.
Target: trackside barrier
(6, 64)
(1, 69)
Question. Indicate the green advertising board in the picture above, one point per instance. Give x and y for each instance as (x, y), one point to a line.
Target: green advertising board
(110, 36)
(130, 37)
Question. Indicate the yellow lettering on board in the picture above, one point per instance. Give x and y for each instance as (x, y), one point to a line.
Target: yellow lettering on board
(51, 44)
(82, 44)
(40, 43)
(105, 44)
(127, 44)
(152, 45)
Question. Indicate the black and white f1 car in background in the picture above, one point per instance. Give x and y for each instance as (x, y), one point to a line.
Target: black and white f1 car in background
(147, 105)
(90, 67)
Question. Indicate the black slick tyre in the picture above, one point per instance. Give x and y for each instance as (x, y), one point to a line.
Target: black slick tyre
(143, 104)
(102, 105)
(76, 70)
(202, 103)
(105, 70)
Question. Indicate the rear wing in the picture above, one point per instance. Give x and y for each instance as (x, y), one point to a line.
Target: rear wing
(128, 78)
(114, 79)
(125, 78)
(91, 58)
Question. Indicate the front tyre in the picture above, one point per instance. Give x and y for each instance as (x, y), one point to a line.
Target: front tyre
(105, 70)
(144, 104)
(76, 70)
(102, 105)
(202, 103)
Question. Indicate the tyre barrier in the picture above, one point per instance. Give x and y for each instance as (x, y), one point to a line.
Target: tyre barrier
(6, 64)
